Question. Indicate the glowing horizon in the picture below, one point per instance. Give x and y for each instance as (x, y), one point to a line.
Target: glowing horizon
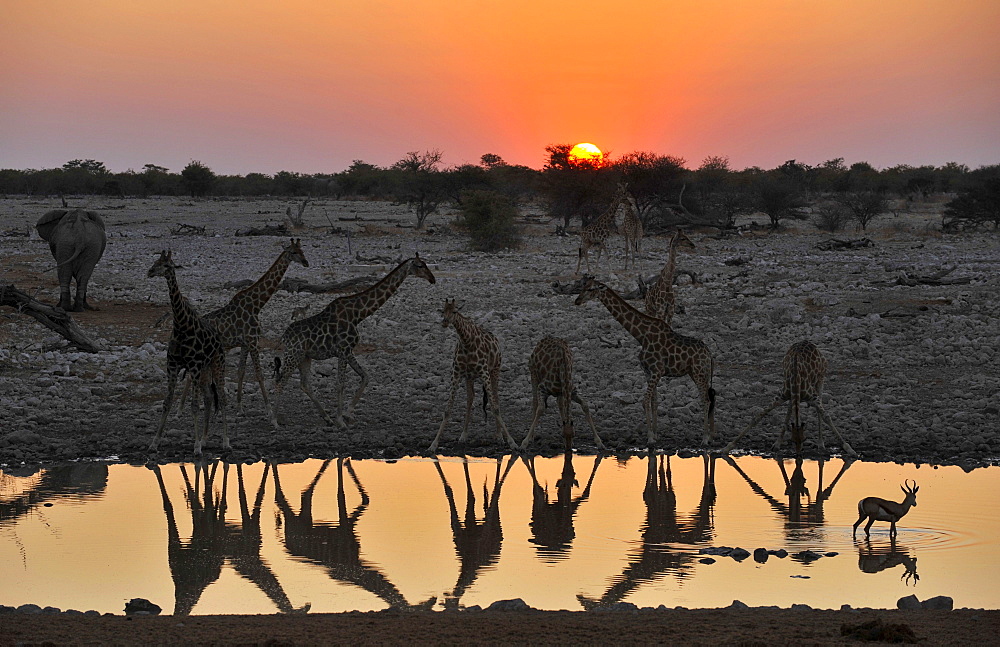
(311, 86)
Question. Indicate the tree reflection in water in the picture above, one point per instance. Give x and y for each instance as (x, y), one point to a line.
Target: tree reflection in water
(197, 563)
(76, 481)
(334, 545)
(662, 528)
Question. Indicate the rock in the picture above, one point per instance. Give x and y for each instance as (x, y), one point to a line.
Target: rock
(52, 610)
(939, 603)
(139, 605)
(781, 553)
(706, 560)
(738, 605)
(806, 556)
(29, 608)
(619, 607)
(724, 551)
(909, 603)
(801, 607)
(760, 555)
(739, 554)
(517, 604)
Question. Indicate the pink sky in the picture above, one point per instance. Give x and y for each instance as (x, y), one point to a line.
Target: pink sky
(247, 86)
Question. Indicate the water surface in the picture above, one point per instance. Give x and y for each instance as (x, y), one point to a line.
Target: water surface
(344, 535)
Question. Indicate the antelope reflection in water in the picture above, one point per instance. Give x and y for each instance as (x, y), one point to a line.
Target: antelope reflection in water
(335, 545)
(877, 558)
(477, 543)
(802, 521)
(662, 527)
(196, 564)
(552, 522)
(56, 483)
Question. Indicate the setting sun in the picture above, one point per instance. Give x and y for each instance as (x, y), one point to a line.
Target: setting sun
(586, 153)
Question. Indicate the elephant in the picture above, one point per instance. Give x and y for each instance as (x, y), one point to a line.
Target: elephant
(77, 240)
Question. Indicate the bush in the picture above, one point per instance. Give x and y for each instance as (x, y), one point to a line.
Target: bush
(831, 216)
(489, 218)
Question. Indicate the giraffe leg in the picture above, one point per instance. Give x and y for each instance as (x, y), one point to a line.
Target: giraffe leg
(536, 409)
(240, 375)
(349, 416)
(702, 382)
(579, 258)
(219, 379)
(205, 385)
(167, 402)
(781, 437)
(341, 380)
(447, 412)
(259, 374)
(495, 407)
(847, 446)
(566, 419)
(728, 448)
(184, 394)
(305, 371)
(470, 394)
(650, 404)
(590, 420)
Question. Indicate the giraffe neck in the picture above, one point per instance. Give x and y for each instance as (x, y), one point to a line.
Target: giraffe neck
(253, 298)
(670, 268)
(467, 331)
(184, 314)
(634, 322)
(357, 307)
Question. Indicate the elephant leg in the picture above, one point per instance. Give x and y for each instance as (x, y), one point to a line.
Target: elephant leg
(65, 273)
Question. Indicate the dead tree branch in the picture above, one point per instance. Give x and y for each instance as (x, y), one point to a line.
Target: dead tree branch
(51, 317)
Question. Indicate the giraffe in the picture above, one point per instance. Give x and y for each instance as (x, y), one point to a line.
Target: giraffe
(551, 369)
(664, 353)
(194, 347)
(333, 332)
(803, 369)
(477, 355)
(594, 234)
(661, 300)
(631, 227)
(238, 322)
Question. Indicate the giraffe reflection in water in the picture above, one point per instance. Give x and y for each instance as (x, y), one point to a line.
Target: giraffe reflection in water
(334, 545)
(880, 557)
(662, 528)
(803, 520)
(56, 483)
(197, 563)
(552, 529)
(477, 542)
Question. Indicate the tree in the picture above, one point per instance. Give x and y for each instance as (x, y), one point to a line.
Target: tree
(979, 204)
(865, 206)
(571, 188)
(491, 161)
(88, 165)
(419, 183)
(656, 182)
(197, 178)
(779, 197)
(489, 217)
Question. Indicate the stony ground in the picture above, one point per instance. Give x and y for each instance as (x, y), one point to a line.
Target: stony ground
(912, 369)
(688, 627)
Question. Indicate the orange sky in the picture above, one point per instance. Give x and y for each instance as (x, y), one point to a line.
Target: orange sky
(303, 86)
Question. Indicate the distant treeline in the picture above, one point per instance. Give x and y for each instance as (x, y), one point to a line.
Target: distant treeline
(665, 188)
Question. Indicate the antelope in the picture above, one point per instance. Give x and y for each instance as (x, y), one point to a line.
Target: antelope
(876, 509)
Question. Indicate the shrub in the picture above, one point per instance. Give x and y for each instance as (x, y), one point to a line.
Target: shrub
(489, 218)
(831, 216)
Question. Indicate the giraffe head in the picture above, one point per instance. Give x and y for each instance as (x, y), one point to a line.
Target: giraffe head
(680, 239)
(419, 268)
(449, 312)
(294, 251)
(590, 290)
(162, 264)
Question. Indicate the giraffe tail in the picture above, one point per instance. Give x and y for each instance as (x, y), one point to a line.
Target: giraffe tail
(277, 369)
(486, 400)
(215, 396)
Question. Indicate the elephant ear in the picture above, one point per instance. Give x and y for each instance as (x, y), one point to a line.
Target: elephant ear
(47, 223)
(96, 219)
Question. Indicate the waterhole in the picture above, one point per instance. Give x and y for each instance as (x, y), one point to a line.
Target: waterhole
(575, 533)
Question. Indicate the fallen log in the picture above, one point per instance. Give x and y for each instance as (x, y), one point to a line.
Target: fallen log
(267, 230)
(51, 317)
(911, 280)
(836, 243)
(301, 285)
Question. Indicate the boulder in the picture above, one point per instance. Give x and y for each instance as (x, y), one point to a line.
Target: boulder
(909, 603)
(940, 602)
